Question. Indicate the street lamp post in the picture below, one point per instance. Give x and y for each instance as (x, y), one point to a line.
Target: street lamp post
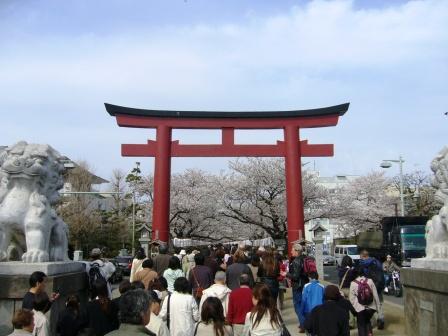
(388, 164)
(137, 171)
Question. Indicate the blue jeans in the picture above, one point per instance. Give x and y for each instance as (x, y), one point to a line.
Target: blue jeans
(297, 300)
(387, 278)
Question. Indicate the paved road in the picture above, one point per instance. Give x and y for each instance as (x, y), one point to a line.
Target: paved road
(331, 275)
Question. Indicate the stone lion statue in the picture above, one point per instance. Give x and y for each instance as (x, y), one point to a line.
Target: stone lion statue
(30, 177)
(437, 226)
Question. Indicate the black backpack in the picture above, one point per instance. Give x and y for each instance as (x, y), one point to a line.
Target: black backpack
(94, 275)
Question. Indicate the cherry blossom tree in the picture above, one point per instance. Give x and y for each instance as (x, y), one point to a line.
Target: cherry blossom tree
(254, 194)
(362, 203)
(419, 193)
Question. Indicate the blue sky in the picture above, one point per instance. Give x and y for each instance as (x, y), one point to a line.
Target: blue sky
(61, 60)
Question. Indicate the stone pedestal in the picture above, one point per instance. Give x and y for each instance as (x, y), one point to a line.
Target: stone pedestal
(425, 301)
(67, 278)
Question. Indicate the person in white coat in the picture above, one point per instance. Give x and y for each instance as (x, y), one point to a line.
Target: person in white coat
(218, 290)
(156, 325)
(180, 310)
(137, 263)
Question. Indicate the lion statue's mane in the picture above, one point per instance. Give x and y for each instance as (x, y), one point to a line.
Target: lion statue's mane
(437, 226)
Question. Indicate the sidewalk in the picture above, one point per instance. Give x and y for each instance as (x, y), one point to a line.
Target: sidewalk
(394, 316)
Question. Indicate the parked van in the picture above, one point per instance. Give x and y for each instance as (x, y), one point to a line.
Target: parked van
(342, 250)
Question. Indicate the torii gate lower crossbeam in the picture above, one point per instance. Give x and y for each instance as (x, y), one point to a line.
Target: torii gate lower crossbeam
(163, 148)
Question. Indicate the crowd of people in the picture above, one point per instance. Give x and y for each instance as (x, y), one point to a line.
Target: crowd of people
(210, 291)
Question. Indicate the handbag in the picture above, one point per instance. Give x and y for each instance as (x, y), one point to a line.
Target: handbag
(168, 311)
(285, 331)
(342, 282)
(199, 289)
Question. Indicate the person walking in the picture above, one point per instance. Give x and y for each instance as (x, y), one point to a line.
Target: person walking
(161, 260)
(23, 323)
(312, 295)
(104, 267)
(218, 290)
(269, 271)
(200, 277)
(156, 323)
(254, 265)
(41, 323)
(346, 274)
(137, 262)
(213, 321)
(146, 275)
(173, 272)
(264, 318)
(210, 261)
(102, 315)
(283, 283)
(188, 263)
(328, 319)
(71, 321)
(180, 310)
(135, 314)
(364, 299)
(240, 303)
(373, 269)
(237, 268)
(298, 279)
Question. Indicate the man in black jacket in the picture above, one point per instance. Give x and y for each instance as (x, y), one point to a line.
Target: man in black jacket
(298, 279)
(329, 319)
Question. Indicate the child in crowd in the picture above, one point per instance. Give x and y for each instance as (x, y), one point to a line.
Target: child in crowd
(41, 323)
(312, 294)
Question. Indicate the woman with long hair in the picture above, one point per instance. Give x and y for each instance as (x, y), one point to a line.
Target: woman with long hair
(70, 320)
(269, 271)
(346, 274)
(264, 319)
(212, 319)
(102, 315)
(137, 263)
(173, 272)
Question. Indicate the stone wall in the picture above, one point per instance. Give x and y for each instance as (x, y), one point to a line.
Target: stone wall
(425, 301)
(14, 287)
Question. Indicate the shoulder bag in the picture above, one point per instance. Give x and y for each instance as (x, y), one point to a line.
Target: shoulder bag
(199, 289)
(168, 311)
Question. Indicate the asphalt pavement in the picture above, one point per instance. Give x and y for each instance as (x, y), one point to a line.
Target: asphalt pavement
(331, 275)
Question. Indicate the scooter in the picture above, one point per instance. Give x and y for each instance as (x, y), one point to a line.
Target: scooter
(394, 287)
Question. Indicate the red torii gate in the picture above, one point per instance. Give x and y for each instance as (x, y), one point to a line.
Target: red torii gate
(163, 148)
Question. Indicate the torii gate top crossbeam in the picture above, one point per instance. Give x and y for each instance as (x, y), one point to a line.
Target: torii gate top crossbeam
(141, 118)
(227, 122)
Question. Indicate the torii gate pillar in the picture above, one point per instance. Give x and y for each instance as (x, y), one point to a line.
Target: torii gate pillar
(294, 194)
(162, 176)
